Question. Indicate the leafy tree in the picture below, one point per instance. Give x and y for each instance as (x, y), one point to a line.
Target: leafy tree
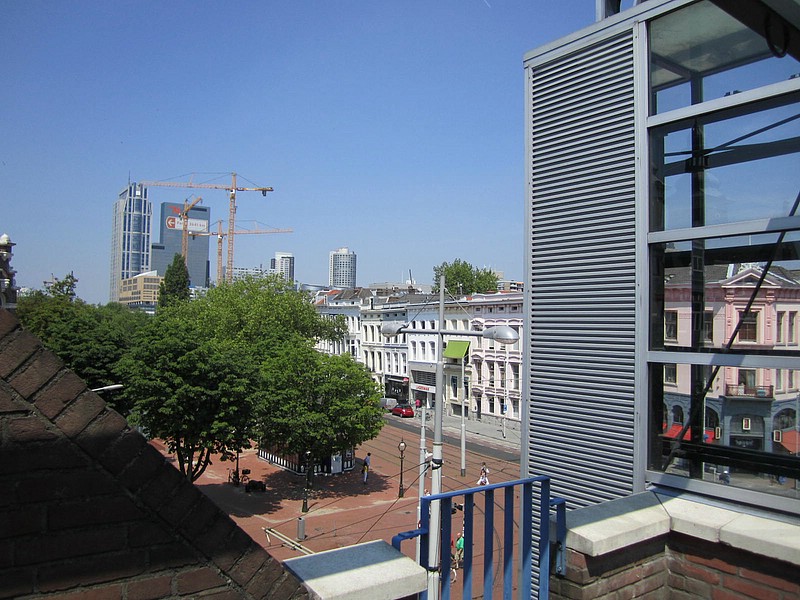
(463, 278)
(196, 375)
(63, 287)
(194, 392)
(89, 339)
(175, 285)
(316, 402)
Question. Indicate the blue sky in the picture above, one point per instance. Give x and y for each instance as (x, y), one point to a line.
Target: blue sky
(394, 128)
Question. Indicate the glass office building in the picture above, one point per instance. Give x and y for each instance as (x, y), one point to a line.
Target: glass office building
(130, 236)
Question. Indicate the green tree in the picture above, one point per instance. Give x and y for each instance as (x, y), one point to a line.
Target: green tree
(463, 278)
(175, 285)
(89, 339)
(63, 287)
(192, 391)
(197, 374)
(316, 402)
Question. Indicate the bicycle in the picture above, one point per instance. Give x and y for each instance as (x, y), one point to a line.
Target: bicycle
(236, 478)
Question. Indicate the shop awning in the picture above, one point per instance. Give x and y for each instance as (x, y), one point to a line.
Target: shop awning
(791, 441)
(673, 432)
(456, 349)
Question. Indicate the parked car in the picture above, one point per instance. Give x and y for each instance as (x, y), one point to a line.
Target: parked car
(403, 410)
(388, 403)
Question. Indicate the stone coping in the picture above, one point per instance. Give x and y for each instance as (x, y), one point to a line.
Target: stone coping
(614, 525)
(369, 571)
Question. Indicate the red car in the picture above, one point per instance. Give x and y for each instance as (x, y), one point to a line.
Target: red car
(403, 410)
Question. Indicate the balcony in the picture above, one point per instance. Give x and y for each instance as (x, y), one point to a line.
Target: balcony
(749, 391)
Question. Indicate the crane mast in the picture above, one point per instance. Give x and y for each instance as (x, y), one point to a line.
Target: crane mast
(232, 189)
(220, 235)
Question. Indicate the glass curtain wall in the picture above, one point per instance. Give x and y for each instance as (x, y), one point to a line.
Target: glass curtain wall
(724, 252)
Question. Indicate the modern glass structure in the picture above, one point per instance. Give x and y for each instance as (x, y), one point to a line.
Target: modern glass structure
(170, 238)
(663, 268)
(342, 272)
(130, 236)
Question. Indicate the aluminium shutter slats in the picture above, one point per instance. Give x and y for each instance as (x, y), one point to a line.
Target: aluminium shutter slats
(582, 271)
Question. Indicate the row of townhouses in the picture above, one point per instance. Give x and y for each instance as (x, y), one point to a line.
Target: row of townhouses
(405, 365)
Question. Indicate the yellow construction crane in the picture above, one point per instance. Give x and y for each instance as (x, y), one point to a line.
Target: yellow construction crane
(231, 189)
(185, 233)
(220, 234)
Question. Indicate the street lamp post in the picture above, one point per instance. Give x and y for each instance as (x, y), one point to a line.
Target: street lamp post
(108, 388)
(463, 422)
(402, 447)
(308, 478)
(502, 334)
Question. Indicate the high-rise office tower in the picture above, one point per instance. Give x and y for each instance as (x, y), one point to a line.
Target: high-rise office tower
(170, 230)
(283, 264)
(342, 271)
(130, 236)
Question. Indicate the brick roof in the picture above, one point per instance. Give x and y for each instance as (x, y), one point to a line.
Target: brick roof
(89, 509)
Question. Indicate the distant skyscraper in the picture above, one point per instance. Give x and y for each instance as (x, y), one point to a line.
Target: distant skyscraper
(170, 240)
(283, 264)
(130, 236)
(342, 271)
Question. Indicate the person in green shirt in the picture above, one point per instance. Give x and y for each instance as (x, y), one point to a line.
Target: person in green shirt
(459, 555)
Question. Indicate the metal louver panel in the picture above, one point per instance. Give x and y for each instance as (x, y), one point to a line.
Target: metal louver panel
(582, 271)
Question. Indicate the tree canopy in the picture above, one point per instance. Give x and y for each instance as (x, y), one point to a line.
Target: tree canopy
(89, 339)
(175, 285)
(238, 364)
(463, 278)
(317, 402)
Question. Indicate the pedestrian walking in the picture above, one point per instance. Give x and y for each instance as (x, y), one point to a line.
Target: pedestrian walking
(459, 556)
(365, 469)
(484, 477)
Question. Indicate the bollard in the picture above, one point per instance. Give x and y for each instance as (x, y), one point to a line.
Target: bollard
(301, 528)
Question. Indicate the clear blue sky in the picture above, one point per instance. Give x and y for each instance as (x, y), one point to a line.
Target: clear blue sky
(394, 128)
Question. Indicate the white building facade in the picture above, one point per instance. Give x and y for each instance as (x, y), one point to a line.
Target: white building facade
(283, 265)
(342, 269)
(405, 365)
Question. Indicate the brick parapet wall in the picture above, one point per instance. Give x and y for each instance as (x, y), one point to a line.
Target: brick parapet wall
(89, 510)
(676, 567)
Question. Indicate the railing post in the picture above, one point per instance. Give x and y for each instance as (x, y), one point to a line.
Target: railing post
(561, 535)
(526, 541)
(488, 542)
(544, 541)
(508, 546)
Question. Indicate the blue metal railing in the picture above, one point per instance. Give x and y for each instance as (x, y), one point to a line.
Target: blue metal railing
(525, 555)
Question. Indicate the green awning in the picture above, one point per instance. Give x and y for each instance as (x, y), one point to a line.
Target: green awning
(456, 349)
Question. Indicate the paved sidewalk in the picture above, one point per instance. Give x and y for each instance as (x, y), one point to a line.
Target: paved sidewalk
(342, 510)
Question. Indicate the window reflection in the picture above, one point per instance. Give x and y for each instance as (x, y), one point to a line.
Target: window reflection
(712, 171)
(744, 409)
(701, 52)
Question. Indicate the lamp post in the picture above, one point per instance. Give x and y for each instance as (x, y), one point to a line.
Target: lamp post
(402, 447)
(108, 388)
(308, 477)
(502, 334)
(463, 391)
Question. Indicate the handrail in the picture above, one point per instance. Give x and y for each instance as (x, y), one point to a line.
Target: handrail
(545, 502)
